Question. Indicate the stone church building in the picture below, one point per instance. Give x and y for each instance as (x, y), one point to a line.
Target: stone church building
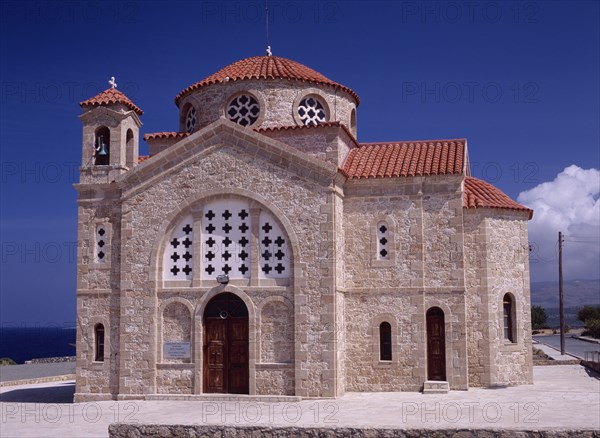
(262, 249)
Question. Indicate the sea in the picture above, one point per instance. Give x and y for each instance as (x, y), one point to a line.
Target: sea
(23, 343)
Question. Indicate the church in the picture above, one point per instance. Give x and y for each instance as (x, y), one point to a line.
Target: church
(262, 249)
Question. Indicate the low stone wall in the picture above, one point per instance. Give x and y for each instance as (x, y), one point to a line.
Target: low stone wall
(52, 359)
(542, 362)
(166, 431)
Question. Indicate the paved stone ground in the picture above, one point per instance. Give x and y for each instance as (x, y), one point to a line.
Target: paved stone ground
(562, 397)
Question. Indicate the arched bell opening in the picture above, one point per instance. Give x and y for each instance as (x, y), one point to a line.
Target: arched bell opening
(102, 146)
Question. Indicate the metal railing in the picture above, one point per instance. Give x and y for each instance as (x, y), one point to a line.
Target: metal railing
(592, 356)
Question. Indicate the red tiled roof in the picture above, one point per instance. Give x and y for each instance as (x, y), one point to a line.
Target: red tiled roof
(480, 194)
(111, 96)
(266, 67)
(165, 135)
(143, 158)
(417, 158)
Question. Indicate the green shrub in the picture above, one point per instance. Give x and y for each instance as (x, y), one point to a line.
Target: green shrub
(592, 328)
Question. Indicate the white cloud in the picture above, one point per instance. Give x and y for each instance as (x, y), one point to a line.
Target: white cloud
(571, 204)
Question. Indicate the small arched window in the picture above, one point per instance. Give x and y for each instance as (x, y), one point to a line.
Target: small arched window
(508, 310)
(385, 341)
(102, 146)
(353, 122)
(99, 343)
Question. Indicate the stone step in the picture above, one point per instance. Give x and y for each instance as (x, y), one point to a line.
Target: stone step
(225, 398)
(436, 387)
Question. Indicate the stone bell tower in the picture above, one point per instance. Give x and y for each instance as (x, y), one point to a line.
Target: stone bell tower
(111, 127)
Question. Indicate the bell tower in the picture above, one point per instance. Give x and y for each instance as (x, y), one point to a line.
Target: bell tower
(111, 124)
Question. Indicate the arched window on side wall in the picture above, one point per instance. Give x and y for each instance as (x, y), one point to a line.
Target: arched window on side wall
(385, 341)
(508, 310)
(102, 146)
(99, 343)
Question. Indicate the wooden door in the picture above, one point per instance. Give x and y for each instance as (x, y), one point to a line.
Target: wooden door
(215, 353)
(237, 378)
(436, 345)
(226, 350)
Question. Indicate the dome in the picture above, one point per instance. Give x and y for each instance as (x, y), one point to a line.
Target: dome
(266, 67)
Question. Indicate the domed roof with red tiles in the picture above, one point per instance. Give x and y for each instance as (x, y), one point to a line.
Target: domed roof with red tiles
(266, 67)
(111, 96)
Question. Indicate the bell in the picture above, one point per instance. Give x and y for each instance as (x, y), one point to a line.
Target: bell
(102, 148)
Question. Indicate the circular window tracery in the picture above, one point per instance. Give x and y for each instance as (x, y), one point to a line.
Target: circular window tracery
(312, 111)
(243, 110)
(190, 119)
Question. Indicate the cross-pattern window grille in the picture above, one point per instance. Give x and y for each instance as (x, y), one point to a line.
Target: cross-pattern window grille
(190, 119)
(178, 256)
(312, 111)
(226, 244)
(243, 110)
(274, 260)
(226, 238)
(383, 241)
(101, 243)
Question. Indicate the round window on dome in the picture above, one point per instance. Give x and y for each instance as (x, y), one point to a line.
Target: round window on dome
(190, 119)
(311, 111)
(243, 110)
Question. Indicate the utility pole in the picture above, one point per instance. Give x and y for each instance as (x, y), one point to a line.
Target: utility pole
(560, 295)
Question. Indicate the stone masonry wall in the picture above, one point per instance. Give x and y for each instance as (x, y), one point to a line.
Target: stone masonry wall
(277, 99)
(98, 299)
(508, 271)
(496, 263)
(478, 346)
(276, 333)
(227, 170)
(363, 315)
(124, 430)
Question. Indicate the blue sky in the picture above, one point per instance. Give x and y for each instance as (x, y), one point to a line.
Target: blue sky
(519, 80)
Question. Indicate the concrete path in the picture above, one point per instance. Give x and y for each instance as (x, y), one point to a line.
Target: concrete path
(562, 397)
(554, 353)
(35, 370)
(573, 346)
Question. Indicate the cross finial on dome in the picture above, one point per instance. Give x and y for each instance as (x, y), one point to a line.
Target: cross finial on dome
(112, 82)
(269, 51)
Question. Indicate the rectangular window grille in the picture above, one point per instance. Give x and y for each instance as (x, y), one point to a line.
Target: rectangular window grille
(101, 244)
(383, 241)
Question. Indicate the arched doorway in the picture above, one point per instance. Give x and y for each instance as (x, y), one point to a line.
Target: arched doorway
(436, 345)
(226, 345)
